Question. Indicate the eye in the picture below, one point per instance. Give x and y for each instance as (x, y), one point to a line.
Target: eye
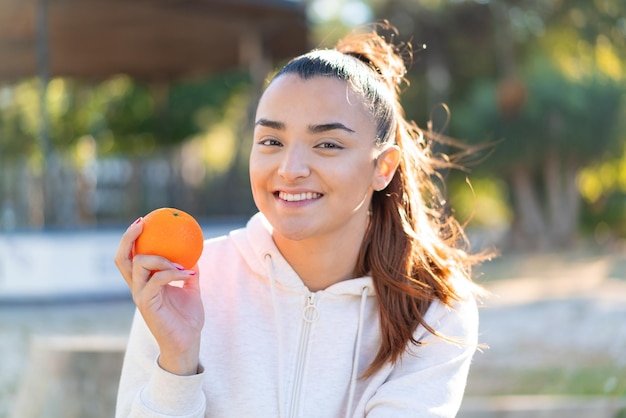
(329, 146)
(269, 142)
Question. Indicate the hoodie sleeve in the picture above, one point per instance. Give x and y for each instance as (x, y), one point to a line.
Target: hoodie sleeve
(146, 390)
(429, 380)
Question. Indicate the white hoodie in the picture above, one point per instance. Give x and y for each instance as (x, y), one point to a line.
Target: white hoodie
(271, 348)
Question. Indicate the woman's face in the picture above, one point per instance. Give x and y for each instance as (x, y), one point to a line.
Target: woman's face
(313, 165)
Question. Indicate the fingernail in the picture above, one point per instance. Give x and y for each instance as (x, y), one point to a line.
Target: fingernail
(178, 266)
(191, 272)
(138, 220)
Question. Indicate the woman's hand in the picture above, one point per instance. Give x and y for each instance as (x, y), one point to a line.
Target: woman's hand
(174, 313)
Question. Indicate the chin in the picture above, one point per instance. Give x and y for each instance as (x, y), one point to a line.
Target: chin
(294, 229)
(292, 234)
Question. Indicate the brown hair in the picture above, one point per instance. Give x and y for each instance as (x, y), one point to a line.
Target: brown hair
(413, 247)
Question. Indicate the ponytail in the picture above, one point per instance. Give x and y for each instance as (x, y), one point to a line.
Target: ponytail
(413, 248)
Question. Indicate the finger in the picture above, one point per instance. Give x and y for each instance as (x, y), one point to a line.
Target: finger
(123, 257)
(143, 266)
(178, 278)
(151, 290)
(193, 282)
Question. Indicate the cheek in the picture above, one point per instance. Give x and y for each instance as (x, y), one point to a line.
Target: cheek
(255, 167)
(256, 189)
(360, 174)
(259, 176)
(253, 172)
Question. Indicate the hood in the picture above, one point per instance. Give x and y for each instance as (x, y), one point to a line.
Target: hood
(254, 243)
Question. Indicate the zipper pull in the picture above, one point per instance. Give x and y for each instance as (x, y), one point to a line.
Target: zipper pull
(310, 313)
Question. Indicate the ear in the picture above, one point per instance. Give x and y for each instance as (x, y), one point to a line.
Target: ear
(386, 165)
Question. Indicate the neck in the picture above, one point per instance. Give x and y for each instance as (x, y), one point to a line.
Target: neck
(323, 261)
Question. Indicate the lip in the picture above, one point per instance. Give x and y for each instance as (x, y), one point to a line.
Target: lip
(297, 197)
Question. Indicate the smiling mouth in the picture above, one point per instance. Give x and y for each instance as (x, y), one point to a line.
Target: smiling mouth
(298, 197)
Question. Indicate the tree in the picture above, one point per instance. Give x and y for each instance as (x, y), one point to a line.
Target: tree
(560, 126)
(115, 117)
(556, 111)
(544, 78)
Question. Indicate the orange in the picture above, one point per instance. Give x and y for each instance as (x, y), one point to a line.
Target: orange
(173, 234)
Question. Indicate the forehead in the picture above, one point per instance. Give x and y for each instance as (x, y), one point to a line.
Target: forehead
(291, 93)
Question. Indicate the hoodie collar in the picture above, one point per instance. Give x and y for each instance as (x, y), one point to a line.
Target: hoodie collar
(255, 241)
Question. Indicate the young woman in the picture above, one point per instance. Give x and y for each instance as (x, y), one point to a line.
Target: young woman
(347, 295)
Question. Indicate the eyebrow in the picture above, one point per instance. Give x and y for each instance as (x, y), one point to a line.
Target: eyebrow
(324, 127)
(329, 127)
(270, 124)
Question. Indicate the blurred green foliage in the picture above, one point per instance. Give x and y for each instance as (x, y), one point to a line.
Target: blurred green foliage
(122, 115)
(62, 178)
(544, 81)
(576, 118)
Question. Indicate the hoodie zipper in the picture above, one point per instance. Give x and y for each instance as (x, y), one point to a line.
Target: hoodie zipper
(310, 314)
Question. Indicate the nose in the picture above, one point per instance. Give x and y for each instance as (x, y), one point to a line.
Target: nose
(294, 164)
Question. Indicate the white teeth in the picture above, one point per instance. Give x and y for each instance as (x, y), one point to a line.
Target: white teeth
(298, 197)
